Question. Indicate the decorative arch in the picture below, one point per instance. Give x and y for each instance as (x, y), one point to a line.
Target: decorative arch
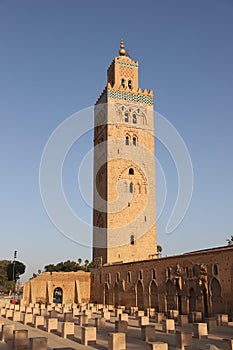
(140, 296)
(216, 296)
(154, 296)
(58, 295)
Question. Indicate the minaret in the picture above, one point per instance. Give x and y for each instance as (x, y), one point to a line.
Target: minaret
(124, 225)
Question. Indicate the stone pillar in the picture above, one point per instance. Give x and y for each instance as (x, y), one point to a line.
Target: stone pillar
(67, 329)
(182, 320)
(16, 316)
(51, 324)
(143, 321)
(100, 323)
(124, 317)
(38, 321)
(27, 318)
(211, 323)
(168, 326)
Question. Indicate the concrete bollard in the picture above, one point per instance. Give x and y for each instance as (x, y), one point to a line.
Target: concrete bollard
(124, 317)
(38, 321)
(116, 341)
(88, 335)
(143, 321)
(211, 323)
(9, 313)
(27, 318)
(16, 316)
(83, 320)
(182, 320)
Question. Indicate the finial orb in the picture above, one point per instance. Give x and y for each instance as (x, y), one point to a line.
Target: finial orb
(122, 51)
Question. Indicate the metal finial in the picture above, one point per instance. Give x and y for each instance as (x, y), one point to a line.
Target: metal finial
(122, 51)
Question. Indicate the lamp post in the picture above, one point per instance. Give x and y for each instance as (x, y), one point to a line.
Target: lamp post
(13, 268)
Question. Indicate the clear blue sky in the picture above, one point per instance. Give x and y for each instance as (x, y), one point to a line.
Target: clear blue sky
(53, 61)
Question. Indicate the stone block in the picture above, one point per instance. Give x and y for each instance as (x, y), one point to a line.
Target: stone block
(143, 321)
(173, 314)
(183, 339)
(9, 313)
(222, 319)
(148, 333)
(83, 320)
(22, 309)
(156, 346)
(118, 312)
(16, 316)
(200, 330)
(38, 343)
(88, 335)
(7, 332)
(36, 310)
(27, 318)
(168, 326)
(16, 308)
(195, 317)
(227, 344)
(20, 339)
(100, 323)
(211, 323)
(106, 315)
(150, 312)
(124, 317)
(159, 317)
(43, 312)
(88, 313)
(121, 326)
(3, 312)
(51, 324)
(182, 320)
(67, 329)
(68, 317)
(38, 321)
(116, 341)
(28, 310)
(140, 313)
(133, 311)
(52, 313)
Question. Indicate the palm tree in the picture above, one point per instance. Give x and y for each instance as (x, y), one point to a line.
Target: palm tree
(230, 241)
(159, 250)
(86, 263)
(79, 261)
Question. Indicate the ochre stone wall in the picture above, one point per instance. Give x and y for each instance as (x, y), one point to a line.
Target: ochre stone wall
(198, 281)
(75, 287)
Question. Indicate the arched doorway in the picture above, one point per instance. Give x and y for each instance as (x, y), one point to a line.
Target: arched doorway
(216, 296)
(116, 295)
(192, 300)
(106, 294)
(205, 302)
(170, 295)
(140, 299)
(154, 297)
(57, 295)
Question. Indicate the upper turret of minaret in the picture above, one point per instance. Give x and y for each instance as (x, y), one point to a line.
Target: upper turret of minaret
(123, 71)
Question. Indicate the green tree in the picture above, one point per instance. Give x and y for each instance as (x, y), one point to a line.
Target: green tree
(159, 250)
(14, 270)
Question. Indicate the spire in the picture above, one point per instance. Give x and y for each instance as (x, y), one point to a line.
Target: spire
(122, 51)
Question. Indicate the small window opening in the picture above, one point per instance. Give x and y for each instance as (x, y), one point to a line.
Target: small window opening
(145, 218)
(130, 84)
(140, 274)
(131, 171)
(134, 141)
(123, 82)
(129, 276)
(132, 239)
(127, 140)
(126, 117)
(215, 269)
(153, 274)
(134, 119)
(131, 187)
(128, 204)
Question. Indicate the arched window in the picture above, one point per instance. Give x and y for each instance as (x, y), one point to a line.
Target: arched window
(130, 84)
(134, 119)
(215, 270)
(140, 275)
(123, 82)
(131, 171)
(134, 141)
(129, 276)
(118, 276)
(153, 274)
(127, 140)
(169, 273)
(132, 239)
(109, 277)
(131, 187)
(126, 117)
